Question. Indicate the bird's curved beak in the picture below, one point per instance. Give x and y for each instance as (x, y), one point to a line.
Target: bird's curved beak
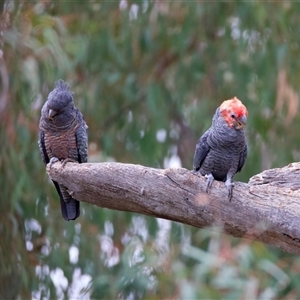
(52, 113)
(241, 122)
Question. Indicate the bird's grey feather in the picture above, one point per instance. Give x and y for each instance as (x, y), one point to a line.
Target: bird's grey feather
(65, 137)
(201, 151)
(221, 151)
(82, 140)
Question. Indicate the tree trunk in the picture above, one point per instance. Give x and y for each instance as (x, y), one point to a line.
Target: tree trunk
(267, 209)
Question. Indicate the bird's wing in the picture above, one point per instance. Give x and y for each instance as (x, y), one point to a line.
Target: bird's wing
(242, 160)
(82, 140)
(42, 147)
(202, 149)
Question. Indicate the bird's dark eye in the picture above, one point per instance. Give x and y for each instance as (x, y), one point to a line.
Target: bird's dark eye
(233, 116)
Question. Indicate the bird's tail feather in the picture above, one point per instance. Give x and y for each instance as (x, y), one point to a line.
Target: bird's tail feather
(70, 207)
(70, 210)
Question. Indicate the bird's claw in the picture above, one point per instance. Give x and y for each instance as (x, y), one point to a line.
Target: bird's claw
(229, 186)
(53, 160)
(195, 172)
(209, 180)
(65, 161)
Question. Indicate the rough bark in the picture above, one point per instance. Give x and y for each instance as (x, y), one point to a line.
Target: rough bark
(266, 209)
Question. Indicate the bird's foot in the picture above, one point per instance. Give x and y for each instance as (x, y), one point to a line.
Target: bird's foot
(65, 161)
(229, 186)
(195, 172)
(53, 160)
(209, 180)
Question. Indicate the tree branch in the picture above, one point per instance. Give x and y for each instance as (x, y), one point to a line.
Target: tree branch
(267, 209)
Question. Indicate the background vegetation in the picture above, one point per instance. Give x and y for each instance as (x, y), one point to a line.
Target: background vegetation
(148, 76)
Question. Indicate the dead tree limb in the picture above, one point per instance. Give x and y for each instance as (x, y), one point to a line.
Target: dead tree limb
(267, 209)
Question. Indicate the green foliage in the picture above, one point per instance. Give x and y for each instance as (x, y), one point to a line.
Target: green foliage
(139, 69)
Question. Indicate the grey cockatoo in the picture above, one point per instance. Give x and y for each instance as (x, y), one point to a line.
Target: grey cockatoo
(63, 136)
(222, 150)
